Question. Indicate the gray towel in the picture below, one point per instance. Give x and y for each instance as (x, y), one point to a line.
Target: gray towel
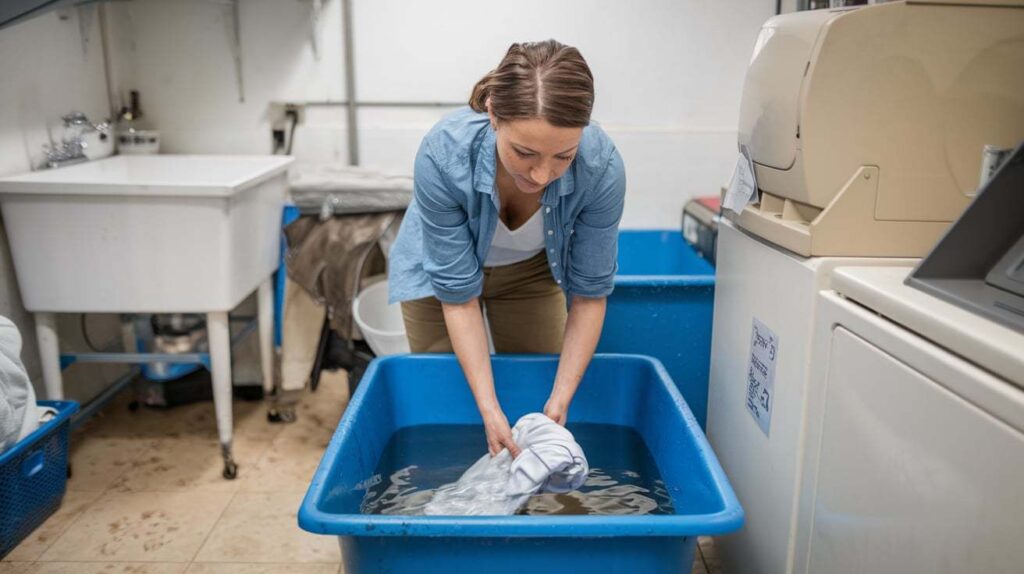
(326, 258)
(19, 415)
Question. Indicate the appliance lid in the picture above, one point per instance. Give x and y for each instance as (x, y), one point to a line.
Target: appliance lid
(770, 107)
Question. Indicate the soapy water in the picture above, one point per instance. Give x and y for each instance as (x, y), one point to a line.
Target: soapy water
(623, 479)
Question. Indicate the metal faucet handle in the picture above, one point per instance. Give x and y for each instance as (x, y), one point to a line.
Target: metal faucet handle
(75, 119)
(78, 119)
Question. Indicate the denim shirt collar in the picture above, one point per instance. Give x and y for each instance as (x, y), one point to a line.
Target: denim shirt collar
(486, 165)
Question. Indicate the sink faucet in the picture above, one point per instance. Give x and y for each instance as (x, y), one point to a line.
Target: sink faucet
(71, 149)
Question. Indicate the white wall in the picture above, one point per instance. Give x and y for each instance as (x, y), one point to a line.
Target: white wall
(45, 73)
(668, 77)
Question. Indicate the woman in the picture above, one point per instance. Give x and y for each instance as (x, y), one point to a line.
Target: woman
(516, 209)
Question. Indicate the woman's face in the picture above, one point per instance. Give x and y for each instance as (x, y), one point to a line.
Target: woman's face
(534, 152)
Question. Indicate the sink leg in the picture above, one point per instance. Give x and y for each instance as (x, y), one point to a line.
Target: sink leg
(49, 355)
(265, 308)
(129, 340)
(219, 337)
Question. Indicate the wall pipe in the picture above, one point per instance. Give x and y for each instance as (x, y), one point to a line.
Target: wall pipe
(350, 82)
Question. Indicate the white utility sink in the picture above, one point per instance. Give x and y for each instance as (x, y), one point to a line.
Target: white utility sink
(159, 233)
(150, 234)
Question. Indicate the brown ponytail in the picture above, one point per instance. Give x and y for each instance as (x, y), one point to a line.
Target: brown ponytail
(478, 99)
(546, 80)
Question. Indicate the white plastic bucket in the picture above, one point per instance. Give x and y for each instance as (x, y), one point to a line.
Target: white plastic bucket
(380, 323)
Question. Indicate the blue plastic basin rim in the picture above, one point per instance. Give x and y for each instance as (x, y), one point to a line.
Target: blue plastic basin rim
(664, 280)
(311, 519)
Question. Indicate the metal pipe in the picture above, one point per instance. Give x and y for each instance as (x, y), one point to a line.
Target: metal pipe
(112, 96)
(143, 358)
(104, 398)
(350, 82)
(236, 27)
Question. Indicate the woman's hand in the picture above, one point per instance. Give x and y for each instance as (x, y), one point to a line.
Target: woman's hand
(557, 410)
(499, 434)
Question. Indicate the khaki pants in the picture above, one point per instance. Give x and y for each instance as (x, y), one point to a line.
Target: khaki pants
(525, 309)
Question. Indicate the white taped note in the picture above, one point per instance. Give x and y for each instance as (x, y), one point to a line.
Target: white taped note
(743, 185)
(764, 351)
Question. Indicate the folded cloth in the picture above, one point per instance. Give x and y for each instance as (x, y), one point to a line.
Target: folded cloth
(19, 414)
(550, 461)
(328, 188)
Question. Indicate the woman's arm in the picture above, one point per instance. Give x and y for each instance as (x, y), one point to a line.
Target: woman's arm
(465, 324)
(582, 330)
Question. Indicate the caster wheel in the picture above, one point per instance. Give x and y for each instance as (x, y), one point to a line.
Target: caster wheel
(283, 415)
(133, 406)
(230, 470)
(69, 470)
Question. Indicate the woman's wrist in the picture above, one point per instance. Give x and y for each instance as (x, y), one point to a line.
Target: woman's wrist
(490, 410)
(558, 402)
(561, 394)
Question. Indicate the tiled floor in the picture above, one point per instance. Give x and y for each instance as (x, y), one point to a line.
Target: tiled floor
(146, 495)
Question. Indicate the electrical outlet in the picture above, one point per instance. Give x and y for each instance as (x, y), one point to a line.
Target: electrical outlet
(281, 113)
(278, 140)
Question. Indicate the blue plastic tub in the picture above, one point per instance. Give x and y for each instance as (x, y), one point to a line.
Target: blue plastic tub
(411, 390)
(663, 306)
(33, 477)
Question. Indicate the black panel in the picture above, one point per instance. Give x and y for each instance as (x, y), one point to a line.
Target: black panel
(977, 264)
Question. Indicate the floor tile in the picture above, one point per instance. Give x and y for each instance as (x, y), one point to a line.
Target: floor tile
(292, 458)
(333, 383)
(262, 527)
(318, 413)
(197, 420)
(714, 566)
(286, 466)
(213, 568)
(16, 567)
(109, 568)
(96, 462)
(145, 527)
(250, 418)
(74, 503)
(710, 555)
(188, 464)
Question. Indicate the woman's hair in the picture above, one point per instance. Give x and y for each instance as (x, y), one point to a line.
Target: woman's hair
(546, 80)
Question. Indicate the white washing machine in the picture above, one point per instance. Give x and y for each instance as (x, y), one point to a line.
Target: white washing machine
(854, 164)
(760, 284)
(920, 449)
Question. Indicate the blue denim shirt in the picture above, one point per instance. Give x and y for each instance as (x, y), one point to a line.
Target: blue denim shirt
(448, 228)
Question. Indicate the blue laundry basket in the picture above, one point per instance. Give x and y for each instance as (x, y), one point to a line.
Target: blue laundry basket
(410, 390)
(663, 306)
(33, 477)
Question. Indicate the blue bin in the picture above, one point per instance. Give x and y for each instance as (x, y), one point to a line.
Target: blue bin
(409, 390)
(33, 477)
(663, 306)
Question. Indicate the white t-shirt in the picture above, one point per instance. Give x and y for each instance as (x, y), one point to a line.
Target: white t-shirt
(509, 247)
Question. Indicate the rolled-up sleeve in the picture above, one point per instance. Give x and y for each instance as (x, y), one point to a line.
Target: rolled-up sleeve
(449, 250)
(593, 253)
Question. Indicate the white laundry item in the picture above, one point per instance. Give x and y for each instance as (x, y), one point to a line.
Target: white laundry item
(513, 246)
(19, 414)
(550, 461)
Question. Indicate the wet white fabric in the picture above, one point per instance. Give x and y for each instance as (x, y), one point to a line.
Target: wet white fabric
(550, 461)
(19, 415)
